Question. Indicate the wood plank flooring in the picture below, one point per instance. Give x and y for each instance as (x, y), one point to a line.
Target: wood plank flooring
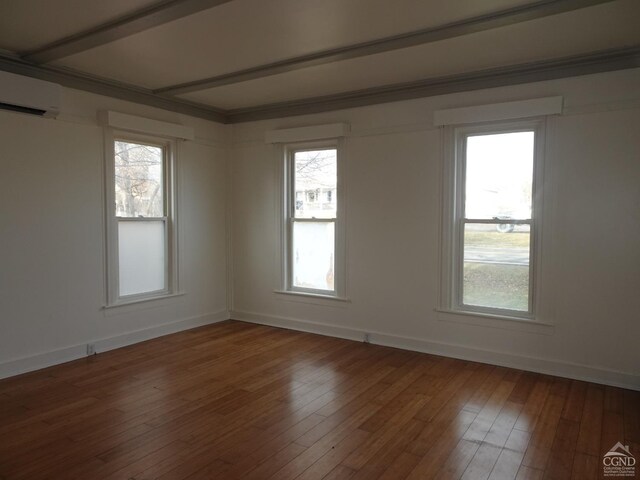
(242, 401)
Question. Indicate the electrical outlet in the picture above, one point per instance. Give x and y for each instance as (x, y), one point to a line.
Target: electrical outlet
(367, 338)
(91, 349)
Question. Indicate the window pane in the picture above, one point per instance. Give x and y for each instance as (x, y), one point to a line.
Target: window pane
(315, 182)
(496, 267)
(499, 175)
(312, 255)
(138, 181)
(141, 252)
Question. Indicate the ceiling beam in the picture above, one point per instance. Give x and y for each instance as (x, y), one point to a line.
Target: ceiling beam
(101, 86)
(598, 62)
(502, 18)
(136, 22)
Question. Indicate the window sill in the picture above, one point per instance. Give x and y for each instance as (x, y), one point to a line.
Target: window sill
(495, 321)
(314, 298)
(146, 300)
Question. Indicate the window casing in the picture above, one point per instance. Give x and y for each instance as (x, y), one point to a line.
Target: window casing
(313, 236)
(491, 223)
(140, 217)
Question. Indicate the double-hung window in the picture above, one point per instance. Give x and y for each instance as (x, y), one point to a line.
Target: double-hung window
(491, 227)
(140, 218)
(313, 230)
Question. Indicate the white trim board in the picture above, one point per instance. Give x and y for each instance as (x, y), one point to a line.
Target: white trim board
(302, 134)
(498, 111)
(539, 365)
(133, 123)
(63, 355)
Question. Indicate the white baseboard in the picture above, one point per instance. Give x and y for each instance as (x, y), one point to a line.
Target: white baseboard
(41, 360)
(55, 357)
(550, 367)
(111, 343)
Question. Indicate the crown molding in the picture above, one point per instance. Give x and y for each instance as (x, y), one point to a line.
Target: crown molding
(598, 62)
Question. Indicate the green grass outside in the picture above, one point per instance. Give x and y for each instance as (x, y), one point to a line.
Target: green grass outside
(496, 285)
(497, 239)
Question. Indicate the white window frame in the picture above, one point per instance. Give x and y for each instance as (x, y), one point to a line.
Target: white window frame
(453, 223)
(113, 297)
(288, 201)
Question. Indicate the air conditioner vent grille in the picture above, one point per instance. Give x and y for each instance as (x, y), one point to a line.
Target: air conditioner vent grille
(18, 108)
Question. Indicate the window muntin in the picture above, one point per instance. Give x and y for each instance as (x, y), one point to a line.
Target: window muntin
(494, 229)
(141, 259)
(312, 216)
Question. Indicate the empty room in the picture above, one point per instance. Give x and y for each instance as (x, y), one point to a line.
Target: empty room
(319, 239)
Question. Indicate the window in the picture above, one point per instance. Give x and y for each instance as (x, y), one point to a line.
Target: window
(312, 226)
(329, 196)
(141, 257)
(491, 229)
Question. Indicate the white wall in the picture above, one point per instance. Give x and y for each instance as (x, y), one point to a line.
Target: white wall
(52, 276)
(52, 241)
(591, 260)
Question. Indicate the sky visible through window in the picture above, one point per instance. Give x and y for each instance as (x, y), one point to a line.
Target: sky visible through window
(499, 174)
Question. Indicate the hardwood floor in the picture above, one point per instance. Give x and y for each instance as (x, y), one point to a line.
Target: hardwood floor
(243, 401)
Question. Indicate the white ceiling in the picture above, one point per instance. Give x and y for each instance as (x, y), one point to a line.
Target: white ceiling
(29, 24)
(602, 27)
(245, 33)
(242, 34)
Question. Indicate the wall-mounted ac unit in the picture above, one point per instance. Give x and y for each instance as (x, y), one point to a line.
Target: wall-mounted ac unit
(29, 95)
